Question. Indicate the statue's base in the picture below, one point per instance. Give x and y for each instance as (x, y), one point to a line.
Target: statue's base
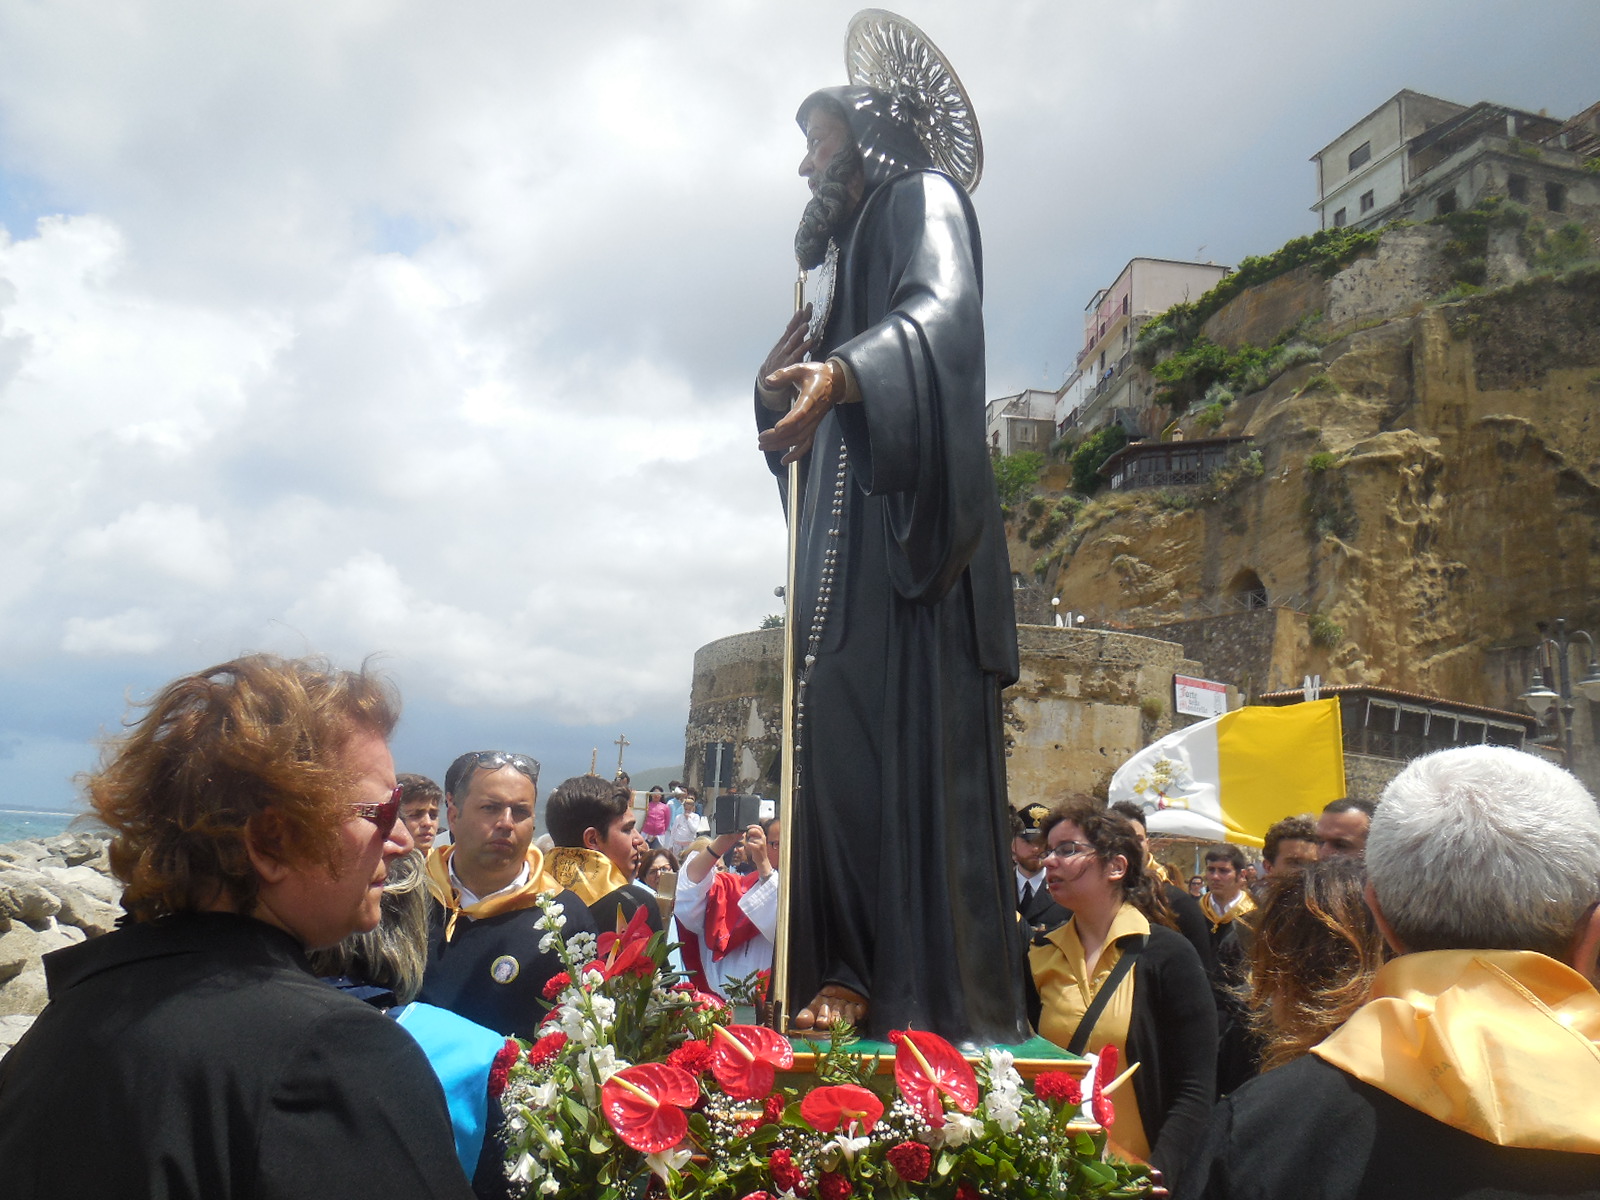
(1030, 1057)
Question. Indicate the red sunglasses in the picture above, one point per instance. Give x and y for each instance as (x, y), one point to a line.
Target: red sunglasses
(382, 815)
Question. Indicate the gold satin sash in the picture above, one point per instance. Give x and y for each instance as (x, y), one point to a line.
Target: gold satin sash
(438, 875)
(587, 872)
(1218, 919)
(1496, 1043)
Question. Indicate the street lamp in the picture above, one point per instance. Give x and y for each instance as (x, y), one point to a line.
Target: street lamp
(1540, 699)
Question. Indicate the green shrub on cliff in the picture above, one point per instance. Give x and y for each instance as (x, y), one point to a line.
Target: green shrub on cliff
(1091, 455)
(1016, 475)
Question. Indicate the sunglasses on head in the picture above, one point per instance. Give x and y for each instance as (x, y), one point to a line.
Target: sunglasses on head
(495, 759)
(383, 814)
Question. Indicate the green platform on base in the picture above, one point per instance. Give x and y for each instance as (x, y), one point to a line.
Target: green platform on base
(1030, 1057)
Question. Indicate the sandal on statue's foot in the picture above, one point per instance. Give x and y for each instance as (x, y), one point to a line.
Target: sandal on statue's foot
(830, 1006)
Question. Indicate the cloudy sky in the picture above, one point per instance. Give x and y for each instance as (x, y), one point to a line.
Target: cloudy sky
(426, 331)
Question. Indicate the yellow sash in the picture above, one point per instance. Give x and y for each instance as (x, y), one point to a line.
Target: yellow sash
(438, 875)
(1217, 918)
(587, 872)
(1496, 1043)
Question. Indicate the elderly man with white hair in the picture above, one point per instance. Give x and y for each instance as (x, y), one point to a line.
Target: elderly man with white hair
(1473, 1067)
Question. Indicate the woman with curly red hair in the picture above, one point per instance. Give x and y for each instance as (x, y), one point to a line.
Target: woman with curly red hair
(191, 1052)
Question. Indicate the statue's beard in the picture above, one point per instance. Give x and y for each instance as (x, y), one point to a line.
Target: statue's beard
(828, 208)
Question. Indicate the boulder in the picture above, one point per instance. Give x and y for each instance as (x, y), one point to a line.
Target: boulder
(24, 990)
(85, 912)
(11, 1030)
(87, 880)
(26, 896)
(26, 994)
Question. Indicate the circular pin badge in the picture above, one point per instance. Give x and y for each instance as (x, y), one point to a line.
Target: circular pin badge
(504, 969)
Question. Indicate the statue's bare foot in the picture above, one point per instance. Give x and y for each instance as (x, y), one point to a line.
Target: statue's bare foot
(832, 1005)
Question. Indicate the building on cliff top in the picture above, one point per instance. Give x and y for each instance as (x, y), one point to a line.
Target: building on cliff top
(1021, 423)
(1417, 156)
(1106, 383)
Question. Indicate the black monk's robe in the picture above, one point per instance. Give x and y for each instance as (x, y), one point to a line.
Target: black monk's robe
(904, 888)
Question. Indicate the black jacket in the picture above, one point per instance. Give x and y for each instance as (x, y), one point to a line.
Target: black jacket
(1041, 914)
(1172, 1034)
(1308, 1131)
(491, 971)
(197, 1056)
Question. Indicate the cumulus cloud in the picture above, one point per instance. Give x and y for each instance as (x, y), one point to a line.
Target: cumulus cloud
(372, 327)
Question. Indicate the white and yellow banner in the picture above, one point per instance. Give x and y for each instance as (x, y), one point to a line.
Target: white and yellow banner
(1230, 778)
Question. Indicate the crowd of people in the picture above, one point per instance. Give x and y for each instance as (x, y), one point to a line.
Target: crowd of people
(316, 972)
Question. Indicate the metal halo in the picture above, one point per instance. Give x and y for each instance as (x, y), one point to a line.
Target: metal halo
(885, 51)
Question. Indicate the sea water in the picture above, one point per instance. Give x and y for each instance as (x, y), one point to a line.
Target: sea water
(17, 824)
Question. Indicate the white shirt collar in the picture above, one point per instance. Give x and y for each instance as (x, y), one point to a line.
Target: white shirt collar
(469, 897)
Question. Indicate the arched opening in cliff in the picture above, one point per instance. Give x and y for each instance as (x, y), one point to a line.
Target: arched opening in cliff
(1247, 590)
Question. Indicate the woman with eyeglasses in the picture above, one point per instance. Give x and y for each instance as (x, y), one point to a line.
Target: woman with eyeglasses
(1113, 976)
(254, 814)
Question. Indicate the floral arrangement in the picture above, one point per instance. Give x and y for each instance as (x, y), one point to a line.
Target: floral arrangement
(640, 1086)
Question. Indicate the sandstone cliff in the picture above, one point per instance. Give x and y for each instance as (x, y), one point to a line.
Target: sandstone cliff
(1417, 498)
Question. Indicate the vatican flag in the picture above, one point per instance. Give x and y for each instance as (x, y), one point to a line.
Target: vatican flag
(1230, 778)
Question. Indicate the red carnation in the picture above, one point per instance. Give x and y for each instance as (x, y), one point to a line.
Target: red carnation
(1058, 1087)
(772, 1111)
(784, 1173)
(500, 1069)
(556, 983)
(834, 1186)
(546, 1048)
(911, 1160)
(693, 1057)
(758, 1196)
(965, 1191)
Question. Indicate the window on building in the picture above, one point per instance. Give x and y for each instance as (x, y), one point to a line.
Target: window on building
(1446, 203)
(1126, 305)
(1517, 188)
(1360, 155)
(1340, 218)
(1025, 433)
(1555, 197)
(1367, 202)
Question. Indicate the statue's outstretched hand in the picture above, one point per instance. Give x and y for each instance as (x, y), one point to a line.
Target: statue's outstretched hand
(790, 349)
(821, 386)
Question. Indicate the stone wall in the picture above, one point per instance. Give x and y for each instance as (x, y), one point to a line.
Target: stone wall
(1246, 648)
(1365, 776)
(1087, 699)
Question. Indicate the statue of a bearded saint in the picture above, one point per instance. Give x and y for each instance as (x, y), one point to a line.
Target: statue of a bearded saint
(903, 911)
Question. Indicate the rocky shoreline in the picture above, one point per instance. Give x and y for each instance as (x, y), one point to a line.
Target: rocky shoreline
(54, 891)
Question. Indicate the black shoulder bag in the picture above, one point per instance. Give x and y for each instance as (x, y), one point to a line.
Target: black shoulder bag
(1132, 947)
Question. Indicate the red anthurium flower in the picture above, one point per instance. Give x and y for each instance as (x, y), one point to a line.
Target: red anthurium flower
(623, 952)
(744, 1058)
(1104, 1111)
(637, 930)
(827, 1108)
(925, 1065)
(645, 1105)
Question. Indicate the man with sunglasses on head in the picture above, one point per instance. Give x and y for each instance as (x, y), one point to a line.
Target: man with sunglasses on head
(484, 960)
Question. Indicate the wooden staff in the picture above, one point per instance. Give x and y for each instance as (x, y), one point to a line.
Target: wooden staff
(778, 994)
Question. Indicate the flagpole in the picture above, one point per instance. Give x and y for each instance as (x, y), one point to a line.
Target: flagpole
(778, 993)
